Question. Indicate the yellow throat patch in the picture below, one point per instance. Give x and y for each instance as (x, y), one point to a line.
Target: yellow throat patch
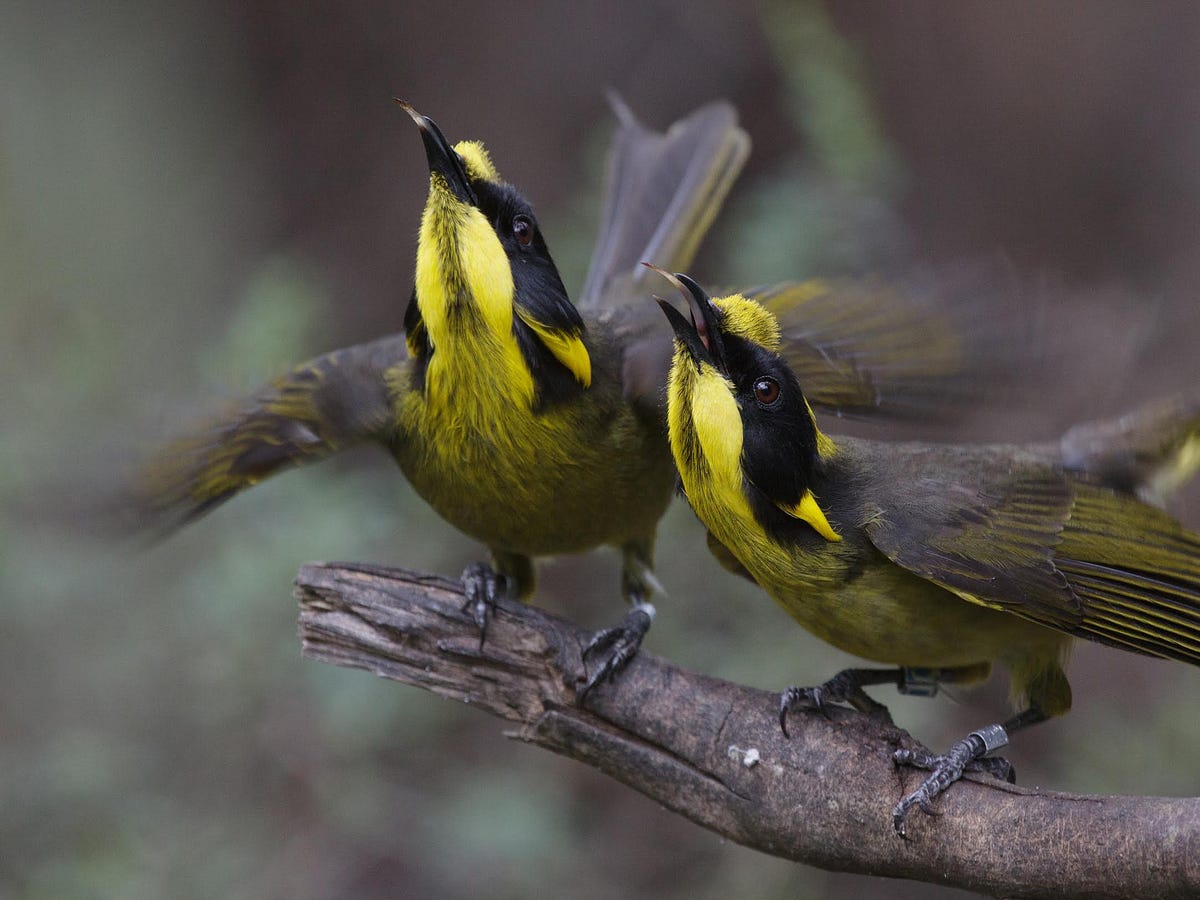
(464, 288)
(708, 397)
(465, 292)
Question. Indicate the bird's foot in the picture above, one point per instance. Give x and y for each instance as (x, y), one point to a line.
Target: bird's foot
(844, 687)
(616, 646)
(485, 588)
(968, 755)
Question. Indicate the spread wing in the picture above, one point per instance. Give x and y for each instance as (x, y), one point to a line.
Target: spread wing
(326, 404)
(1017, 534)
(926, 344)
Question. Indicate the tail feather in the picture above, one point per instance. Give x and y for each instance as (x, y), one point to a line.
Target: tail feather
(664, 190)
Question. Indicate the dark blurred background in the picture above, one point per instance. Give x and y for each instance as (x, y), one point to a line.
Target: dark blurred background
(194, 195)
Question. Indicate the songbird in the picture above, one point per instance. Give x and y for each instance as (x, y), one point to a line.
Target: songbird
(533, 425)
(938, 559)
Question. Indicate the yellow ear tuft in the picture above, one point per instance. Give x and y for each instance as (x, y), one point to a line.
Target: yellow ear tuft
(476, 159)
(825, 445)
(808, 510)
(567, 347)
(749, 320)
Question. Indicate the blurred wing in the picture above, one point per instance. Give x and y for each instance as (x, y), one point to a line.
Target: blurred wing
(1150, 451)
(925, 345)
(324, 405)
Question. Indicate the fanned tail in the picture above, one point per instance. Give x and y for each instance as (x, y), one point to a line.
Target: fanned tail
(664, 190)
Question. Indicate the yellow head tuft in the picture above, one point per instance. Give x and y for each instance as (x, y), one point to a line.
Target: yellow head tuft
(749, 320)
(476, 161)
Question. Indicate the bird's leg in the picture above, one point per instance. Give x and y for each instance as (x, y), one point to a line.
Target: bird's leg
(617, 645)
(847, 687)
(509, 578)
(968, 755)
(844, 687)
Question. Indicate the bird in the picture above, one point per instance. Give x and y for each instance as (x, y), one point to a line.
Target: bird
(533, 424)
(940, 560)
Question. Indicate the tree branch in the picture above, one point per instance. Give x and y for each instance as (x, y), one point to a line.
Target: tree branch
(689, 741)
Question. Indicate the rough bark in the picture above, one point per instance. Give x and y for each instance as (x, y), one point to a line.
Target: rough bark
(824, 797)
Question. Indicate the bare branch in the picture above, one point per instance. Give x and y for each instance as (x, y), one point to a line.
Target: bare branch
(688, 741)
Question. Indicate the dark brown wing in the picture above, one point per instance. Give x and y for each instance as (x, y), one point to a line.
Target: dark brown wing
(926, 344)
(1000, 528)
(326, 404)
(980, 523)
(1137, 573)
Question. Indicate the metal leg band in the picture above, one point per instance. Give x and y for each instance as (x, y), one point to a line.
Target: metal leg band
(920, 682)
(993, 737)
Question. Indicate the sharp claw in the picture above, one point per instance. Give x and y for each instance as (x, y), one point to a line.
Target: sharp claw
(601, 640)
(966, 755)
(790, 699)
(845, 687)
(620, 642)
(483, 587)
(599, 675)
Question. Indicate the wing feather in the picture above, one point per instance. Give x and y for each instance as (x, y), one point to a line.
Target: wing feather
(321, 406)
(1033, 540)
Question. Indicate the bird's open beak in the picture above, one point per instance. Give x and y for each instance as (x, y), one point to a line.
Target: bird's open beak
(443, 160)
(700, 332)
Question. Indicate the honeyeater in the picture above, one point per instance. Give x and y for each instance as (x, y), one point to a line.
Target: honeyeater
(529, 423)
(939, 559)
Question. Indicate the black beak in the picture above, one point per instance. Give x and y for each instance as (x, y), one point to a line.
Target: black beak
(442, 158)
(701, 335)
(685, 333)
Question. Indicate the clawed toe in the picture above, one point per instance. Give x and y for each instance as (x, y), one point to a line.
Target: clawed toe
(968, 755)
(615, 647)
(484, 588)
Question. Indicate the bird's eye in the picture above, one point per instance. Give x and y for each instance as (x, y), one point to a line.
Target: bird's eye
(522, 230)
(766, 391)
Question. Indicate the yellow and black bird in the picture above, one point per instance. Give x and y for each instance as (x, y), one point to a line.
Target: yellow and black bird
(939, 559)
(535, 426)
(507, 408)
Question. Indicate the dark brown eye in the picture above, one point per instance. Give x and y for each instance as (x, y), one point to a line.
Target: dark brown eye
(766, 391)
(522, 230)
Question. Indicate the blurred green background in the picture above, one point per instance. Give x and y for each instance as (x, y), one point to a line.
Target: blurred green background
(195, 195)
